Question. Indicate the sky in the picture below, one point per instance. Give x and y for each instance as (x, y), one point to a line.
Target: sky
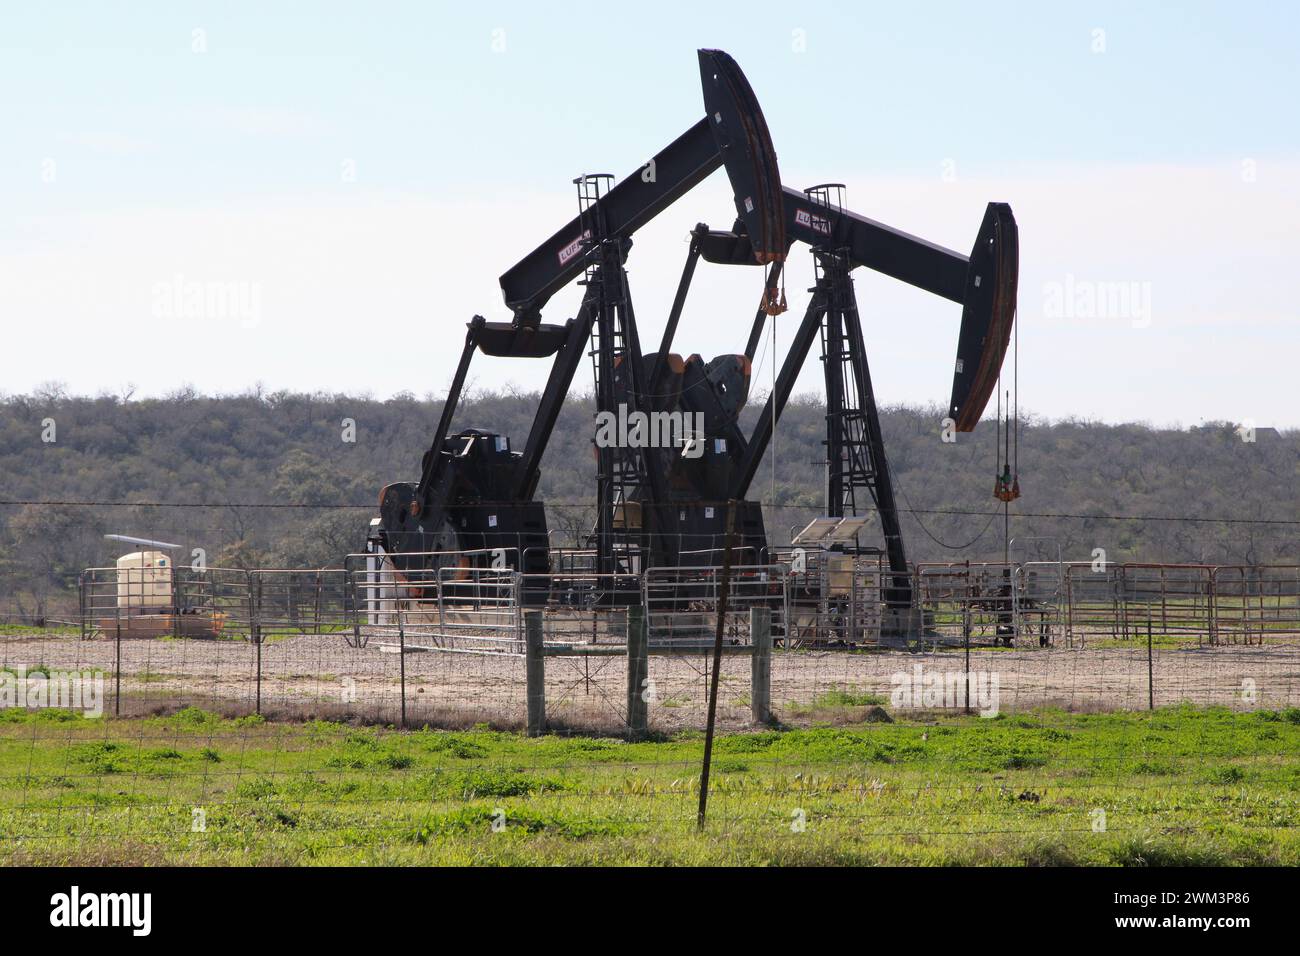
(352, 179)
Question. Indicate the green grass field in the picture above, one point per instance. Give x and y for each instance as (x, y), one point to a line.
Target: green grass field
(1177, 786)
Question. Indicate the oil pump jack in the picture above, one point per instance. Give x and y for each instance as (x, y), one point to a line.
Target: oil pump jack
(475, 493)
(654, 505)
(858, 474)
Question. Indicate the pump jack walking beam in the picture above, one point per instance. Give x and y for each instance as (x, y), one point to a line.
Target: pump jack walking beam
(983, 283)
(733, 134)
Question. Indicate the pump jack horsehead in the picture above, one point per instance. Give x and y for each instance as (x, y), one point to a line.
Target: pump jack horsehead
(656, 507)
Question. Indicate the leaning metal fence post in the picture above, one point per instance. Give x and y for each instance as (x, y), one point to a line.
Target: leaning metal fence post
(520, 596)
(252, 605)
(1121, 598)
(442, 617)
(724, 588)
(1069, 609)
(787, 623)
(1213, 602)
(320, 596)
(853, 600)
(257, 702)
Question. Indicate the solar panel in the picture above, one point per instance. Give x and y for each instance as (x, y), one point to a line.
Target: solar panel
(847, 529)
(816, 531)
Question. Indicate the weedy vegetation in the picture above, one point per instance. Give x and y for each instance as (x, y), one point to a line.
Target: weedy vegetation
(1176, 786)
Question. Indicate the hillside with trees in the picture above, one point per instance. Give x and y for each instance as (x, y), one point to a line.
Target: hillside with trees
(203, 469)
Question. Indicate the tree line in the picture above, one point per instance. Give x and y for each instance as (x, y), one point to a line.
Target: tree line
(213, 459)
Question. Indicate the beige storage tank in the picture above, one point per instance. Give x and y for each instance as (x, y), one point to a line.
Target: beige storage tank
(839, 574)
(144, 582)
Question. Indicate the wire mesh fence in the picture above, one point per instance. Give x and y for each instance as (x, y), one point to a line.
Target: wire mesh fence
(682, 603)
(355, 713)
(443, 641)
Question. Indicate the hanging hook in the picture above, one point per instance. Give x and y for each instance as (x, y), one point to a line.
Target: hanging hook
(772, 304)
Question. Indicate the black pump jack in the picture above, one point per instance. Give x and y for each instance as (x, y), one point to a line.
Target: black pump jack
(474, 491)
(984, 283)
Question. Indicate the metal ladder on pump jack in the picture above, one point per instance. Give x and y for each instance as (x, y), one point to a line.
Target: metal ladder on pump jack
(619, 470)
(849, 458)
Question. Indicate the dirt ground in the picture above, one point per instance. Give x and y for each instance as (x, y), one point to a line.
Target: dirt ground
(321, 676)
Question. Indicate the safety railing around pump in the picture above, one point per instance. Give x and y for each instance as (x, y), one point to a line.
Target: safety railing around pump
(1075, 604)
(583, 609)
(1038, 604)
(438, 601)
(682, 603)
(1256, 604)
(1098, 604)
(290, 602)
(1207, 604)
(1120, 603)
(967, 602)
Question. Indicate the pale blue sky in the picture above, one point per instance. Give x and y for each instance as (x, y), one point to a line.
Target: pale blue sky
(1169, 158)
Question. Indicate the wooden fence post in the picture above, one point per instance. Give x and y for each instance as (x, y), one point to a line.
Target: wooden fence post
(535, 668)
(638, 671)
(760, 665)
